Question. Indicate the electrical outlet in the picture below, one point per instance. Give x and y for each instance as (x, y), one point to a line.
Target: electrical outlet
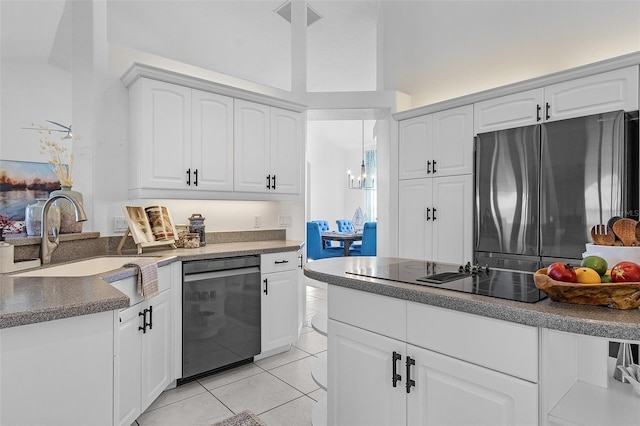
(119, 224)
(284, 221)
(256, 221)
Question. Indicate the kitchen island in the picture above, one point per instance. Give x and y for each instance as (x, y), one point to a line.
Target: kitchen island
(419, 354)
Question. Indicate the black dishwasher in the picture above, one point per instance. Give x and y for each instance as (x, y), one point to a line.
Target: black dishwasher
(220, 314)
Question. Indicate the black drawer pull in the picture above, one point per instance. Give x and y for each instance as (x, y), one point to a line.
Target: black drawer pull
(280, 262)
(410, 382)
(395, 377)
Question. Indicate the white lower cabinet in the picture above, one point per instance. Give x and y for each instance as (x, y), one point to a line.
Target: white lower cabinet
(58, 372)
(279, 307)
(143, 365)
(435, 219)
(377, 377)
(452, 392)
(359, 387)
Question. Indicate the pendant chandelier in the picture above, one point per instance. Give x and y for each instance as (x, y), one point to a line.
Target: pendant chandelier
(362, 181)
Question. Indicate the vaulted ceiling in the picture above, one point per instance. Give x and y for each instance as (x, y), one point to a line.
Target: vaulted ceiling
(432, 50)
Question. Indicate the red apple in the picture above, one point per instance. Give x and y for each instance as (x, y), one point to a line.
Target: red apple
(625, 272)
(561, 271)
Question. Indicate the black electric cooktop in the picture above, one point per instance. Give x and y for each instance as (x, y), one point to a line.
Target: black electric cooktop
(500, 283)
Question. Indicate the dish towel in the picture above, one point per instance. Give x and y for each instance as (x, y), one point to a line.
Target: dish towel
(147, 277)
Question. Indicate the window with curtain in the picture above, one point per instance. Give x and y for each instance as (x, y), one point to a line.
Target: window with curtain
(371, 212)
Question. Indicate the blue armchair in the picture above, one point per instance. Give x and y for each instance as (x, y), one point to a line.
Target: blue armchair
(315, 250)
(369, 241)
(324, 227)
(345, 225)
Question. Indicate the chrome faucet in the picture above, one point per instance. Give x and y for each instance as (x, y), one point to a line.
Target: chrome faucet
(47, 247)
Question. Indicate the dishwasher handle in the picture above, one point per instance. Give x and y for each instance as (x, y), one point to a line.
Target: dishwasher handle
(220, 274)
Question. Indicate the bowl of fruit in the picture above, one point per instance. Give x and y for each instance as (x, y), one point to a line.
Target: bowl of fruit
(592, 283)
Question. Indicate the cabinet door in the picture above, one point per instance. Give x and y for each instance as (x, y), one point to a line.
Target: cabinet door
(287, 142)
(414, 147)
(279, 309)
(610, 91)
(414, 220)
(506, 112)
(165, 135)
(452, 219)
(129, 374)
(156, 349)
(359, 380)
(452, 142)
(251, 147)
(212, 142)
(452, 392)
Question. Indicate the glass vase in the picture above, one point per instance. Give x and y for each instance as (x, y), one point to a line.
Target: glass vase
(68, 224)
(33, 217)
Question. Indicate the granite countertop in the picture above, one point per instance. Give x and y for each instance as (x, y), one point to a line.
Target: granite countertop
(29, 300)
(581, 319)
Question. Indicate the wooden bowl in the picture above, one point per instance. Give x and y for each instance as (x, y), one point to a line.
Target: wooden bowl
(613, 295)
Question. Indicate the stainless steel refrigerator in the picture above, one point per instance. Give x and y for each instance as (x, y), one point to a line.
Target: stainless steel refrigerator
(540, 188)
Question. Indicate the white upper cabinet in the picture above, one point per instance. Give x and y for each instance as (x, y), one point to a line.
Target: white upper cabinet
(609, 91)
(505, 112)
(251, 146)
(287, 136)
(439, 144)
(212, 141)
(268, 149)
(182, 140)
(415, 146)
(453, 142)
(196, 139)
(160, 128)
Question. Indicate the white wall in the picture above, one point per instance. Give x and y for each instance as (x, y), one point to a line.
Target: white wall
(35, 92)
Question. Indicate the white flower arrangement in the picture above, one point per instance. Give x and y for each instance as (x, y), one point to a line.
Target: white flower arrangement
(60, 157)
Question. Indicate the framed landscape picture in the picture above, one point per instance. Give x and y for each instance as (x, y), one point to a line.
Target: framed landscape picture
(21, 184)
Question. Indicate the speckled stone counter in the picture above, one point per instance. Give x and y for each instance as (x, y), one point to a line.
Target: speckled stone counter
(579, 319)
(28, 300)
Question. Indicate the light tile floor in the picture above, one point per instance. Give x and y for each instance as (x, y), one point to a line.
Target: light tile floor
(279, 389)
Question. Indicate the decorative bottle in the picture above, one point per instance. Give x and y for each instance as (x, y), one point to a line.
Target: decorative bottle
(68, 224)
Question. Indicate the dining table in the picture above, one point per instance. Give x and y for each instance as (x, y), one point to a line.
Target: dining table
(347, 238)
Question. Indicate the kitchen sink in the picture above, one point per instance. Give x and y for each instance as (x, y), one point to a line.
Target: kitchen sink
(83, 268)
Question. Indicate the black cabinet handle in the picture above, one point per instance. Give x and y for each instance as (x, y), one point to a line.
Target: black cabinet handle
(150, 317)
(189, 177)
(143, 314)
(195, 173)
(274, 182)
(395, 377)
(428, 213)
(300, 261)
(410, 383)
(547, 107)
(268, 181)
(434, 213)
(538, 109)
(266, 287)
(434, 166)
(280, 262)
(428, 167)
